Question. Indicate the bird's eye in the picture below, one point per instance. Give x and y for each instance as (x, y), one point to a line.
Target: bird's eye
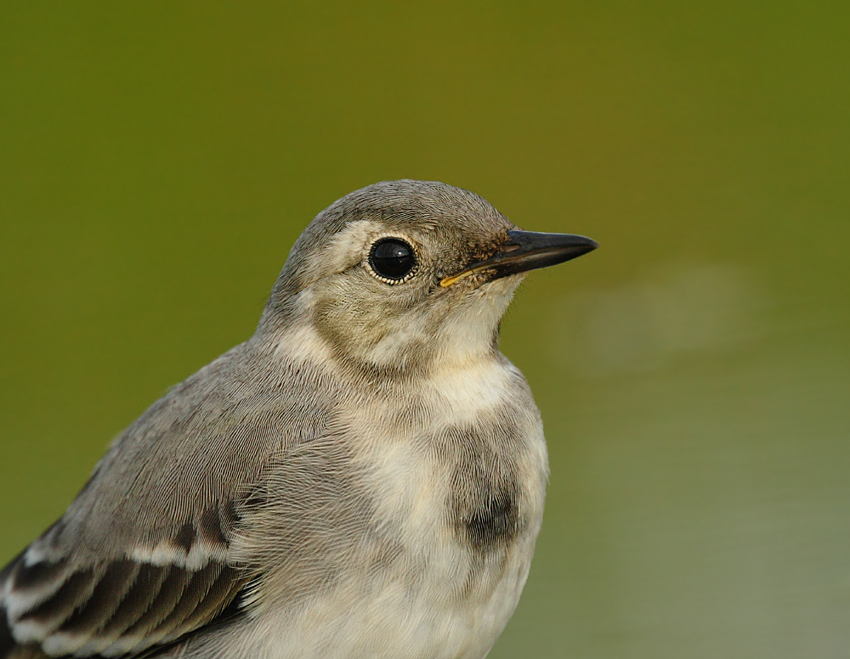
(392, 259)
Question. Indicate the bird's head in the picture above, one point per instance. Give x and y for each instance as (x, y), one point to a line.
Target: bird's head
(401, 274)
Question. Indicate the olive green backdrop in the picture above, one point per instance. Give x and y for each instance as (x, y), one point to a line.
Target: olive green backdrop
(158, 159)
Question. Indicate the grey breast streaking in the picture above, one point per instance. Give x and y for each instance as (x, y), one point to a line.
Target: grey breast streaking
(362, 478)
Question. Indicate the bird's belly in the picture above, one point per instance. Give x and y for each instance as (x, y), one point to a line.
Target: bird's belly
(400, 615)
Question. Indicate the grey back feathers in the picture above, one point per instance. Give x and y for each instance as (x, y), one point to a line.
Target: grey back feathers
(368, 452)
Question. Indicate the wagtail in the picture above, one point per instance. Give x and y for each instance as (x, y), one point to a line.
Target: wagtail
(363, 478)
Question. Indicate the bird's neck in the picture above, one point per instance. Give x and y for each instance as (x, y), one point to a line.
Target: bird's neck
(398, 359)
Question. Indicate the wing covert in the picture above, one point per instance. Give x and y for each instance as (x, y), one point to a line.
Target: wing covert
(148, 596)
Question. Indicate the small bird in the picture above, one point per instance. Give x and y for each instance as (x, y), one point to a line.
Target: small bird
(362, 478)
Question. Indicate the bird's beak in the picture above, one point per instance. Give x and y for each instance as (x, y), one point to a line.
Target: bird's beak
(527, 250)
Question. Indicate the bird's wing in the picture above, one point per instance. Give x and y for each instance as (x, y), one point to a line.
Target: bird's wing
(122, 604)
(143, 555)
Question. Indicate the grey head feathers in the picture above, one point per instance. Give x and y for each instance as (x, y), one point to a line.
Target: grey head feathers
(461, 225)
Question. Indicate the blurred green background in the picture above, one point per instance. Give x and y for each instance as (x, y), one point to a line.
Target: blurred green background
(158, 159)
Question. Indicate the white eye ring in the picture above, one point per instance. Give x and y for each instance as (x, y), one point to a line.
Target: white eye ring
(393, 260)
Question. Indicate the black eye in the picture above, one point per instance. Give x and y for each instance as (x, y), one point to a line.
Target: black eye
(392, 258)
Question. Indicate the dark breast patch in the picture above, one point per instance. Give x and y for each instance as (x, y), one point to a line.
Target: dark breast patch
(494, 522)
(485, 501)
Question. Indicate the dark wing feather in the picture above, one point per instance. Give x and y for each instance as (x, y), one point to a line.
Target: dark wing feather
(118, 607)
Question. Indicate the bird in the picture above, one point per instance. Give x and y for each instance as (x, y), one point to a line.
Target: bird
(364, 477)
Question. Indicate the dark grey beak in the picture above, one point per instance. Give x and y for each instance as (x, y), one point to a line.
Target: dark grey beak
(527, 250)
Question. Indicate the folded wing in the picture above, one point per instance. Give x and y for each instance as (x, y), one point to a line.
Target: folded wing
(152, 595)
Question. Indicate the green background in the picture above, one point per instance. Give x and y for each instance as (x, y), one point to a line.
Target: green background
(158, 159)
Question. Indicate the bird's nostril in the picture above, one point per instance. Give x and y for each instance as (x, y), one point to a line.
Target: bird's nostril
(507, 247)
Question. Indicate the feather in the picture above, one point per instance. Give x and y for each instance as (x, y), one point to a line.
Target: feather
(120, 606)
